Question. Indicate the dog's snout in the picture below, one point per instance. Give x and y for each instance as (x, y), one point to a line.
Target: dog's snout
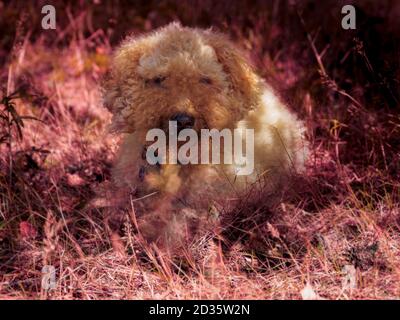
(183, 120)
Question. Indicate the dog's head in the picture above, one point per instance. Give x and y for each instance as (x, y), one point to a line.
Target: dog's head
(197, 78)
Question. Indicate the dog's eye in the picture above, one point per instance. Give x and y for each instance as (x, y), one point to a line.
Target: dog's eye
(156, 81)
(205, 80)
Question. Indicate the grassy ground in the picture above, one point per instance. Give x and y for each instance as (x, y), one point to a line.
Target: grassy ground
(335, 237)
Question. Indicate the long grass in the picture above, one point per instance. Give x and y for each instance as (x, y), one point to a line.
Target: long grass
(334, 235)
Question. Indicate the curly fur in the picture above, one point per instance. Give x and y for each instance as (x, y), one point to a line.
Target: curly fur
(205, 75)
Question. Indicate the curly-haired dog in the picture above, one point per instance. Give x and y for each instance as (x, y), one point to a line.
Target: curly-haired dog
(199, 79)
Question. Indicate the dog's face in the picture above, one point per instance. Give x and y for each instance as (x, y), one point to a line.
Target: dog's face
(194, 77)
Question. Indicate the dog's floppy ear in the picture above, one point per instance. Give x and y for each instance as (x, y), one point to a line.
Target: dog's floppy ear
(245, 84)
(117, 82)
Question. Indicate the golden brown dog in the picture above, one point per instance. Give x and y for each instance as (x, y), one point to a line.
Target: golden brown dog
(198, 78)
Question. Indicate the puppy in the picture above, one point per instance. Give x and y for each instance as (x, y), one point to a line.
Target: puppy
(195, 79)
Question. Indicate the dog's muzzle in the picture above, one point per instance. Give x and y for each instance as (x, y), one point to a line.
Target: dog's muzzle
(183, 121)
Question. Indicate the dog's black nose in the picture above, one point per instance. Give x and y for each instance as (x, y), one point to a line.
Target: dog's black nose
(183, 120)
